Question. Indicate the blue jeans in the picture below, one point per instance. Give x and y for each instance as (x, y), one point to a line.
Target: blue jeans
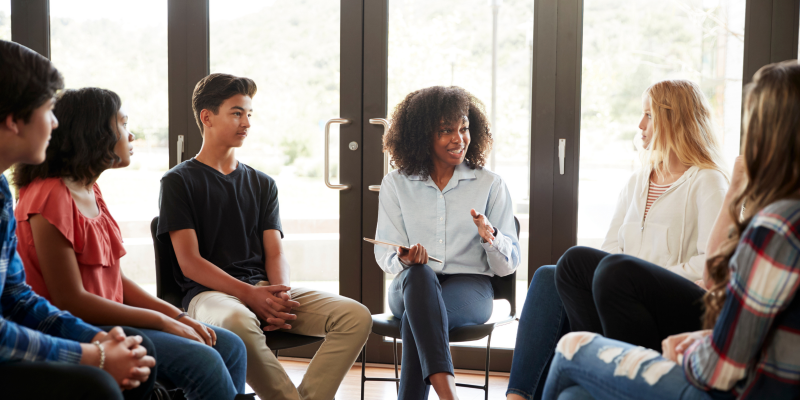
(588, 366)
(543, 321)
(431, 305)
(202, 372)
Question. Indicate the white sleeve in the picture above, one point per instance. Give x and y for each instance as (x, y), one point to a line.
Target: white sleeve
(391, 228)
(503, 254)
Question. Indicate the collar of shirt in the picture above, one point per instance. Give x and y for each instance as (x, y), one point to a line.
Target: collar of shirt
(462, 172)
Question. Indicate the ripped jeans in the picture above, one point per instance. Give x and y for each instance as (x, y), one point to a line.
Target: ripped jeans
(589, 366)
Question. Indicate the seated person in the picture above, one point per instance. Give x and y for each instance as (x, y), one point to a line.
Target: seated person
(751, 349)
(38, 342)
(657, 239)
(441, 201)
(71, 247)
(224, 222)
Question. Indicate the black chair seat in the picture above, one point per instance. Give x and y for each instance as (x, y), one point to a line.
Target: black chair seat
(386, 325)
(284, 340)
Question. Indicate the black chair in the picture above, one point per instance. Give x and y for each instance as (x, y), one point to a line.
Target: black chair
(388, 325)
(167, 289)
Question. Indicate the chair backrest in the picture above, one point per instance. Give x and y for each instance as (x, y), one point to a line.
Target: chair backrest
(505, 288)
(167, 287)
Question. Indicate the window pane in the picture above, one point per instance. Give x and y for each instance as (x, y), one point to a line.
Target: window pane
(122, 46)
(291, 51)
(629, 45)
(5, 19)
(450, 43)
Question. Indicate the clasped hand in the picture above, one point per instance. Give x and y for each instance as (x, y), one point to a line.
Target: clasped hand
(126, 360)
(673, 347)
(273, 304)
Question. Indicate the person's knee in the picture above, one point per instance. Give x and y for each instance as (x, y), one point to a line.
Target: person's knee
(566, 267)
(420, 273)
(544, 275)
(572, 342)
(611, 274)
(231, 343)
(355, 317)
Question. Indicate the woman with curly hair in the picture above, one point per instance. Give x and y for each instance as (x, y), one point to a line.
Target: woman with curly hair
(752, 347)
(441, 201)
(71, 247)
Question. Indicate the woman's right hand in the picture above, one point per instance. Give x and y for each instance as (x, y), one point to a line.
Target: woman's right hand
(416, 254)
(180, 329)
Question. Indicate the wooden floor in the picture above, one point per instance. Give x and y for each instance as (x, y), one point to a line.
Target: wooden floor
(351, 387)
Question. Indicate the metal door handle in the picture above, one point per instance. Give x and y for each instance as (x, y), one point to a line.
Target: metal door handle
(562, 150)
(180, 149)
(385, 123)
(341, 121)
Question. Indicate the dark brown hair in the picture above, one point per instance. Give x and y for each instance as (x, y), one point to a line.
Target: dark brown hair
(82, 146)
(771, 125)
(28, 81)
(214, 89)
(418, 117)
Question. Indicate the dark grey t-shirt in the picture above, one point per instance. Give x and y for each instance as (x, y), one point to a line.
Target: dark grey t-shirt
(229, 213)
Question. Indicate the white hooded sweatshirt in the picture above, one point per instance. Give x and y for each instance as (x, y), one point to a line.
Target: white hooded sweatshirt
(678, 224)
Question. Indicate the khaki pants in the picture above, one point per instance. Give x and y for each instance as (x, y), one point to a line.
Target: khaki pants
(345, 324)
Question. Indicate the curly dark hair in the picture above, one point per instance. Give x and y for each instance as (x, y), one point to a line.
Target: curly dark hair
(27, 82)
(82, 146)
(416, 119)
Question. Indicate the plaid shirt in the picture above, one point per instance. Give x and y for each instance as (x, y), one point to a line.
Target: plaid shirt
(31, 328)
(754, 351)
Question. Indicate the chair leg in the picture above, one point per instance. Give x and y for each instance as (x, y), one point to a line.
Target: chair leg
(363, 369)
(396, 376)
(488, 353)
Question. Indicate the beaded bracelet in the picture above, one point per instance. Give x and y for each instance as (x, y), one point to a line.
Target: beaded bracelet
(102, 353)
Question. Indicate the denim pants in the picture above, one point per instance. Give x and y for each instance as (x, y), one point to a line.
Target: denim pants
(588, 366)
(431, 305)
(542, 323)
(202, 372)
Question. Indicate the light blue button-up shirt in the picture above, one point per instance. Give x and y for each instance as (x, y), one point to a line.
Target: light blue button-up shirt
(413, 210)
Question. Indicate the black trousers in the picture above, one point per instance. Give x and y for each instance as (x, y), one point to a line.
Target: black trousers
(53, 380)
(626, 298)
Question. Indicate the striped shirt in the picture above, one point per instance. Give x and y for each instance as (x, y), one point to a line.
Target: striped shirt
(754, 350)
(653, 192)
(31, 329)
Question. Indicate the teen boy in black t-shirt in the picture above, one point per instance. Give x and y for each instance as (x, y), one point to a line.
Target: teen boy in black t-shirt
(223, 219)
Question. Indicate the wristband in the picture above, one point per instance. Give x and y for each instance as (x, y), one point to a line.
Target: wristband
(102, 353)
(181, 315)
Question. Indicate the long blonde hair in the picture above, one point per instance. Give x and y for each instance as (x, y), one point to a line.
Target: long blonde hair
(682, 123)
(771, 124)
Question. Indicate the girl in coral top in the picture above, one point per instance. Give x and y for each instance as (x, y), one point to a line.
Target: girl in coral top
(71, 247)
